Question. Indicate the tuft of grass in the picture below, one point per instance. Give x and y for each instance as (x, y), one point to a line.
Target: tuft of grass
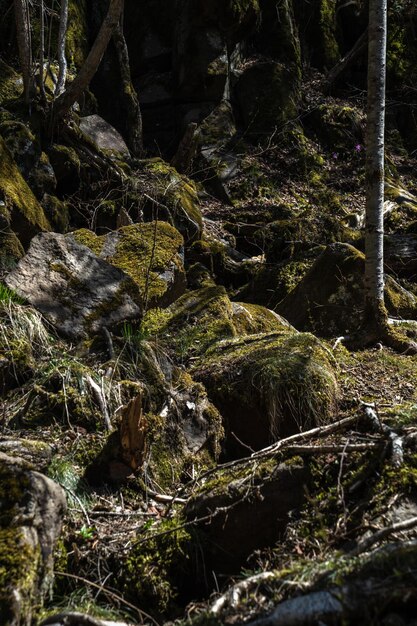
(8, 295)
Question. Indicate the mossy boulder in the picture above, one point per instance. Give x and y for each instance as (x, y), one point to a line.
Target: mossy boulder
(11, 250)
(216, 162)
(67, 168)
(150, 254)
(203, 317)
(31, 511)
(11, 84)
(319, 32)
(272, 282)
(240, 500)
(330, 299)
(77, 292)
(171, 197)
(21, 143)
(26, 151)
(37, 453)
(56, 211)
(338, 127)
(267, 93)
(77, 39)
(104, 136)
(18, 205)
(276, 35)
(268, 386)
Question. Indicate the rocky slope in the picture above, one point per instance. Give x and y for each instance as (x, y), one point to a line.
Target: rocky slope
(184, 435)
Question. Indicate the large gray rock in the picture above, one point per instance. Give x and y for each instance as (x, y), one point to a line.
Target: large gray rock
(75, 290)
(103, 134)
(31, 512)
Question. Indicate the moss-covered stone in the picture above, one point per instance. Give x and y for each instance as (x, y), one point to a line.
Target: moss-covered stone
(148, 253)
(338, 127)
(18, 573)
(18, 205)
(330, 298)
(156, 567)
(21, 143)
(11, 85)
(269, 386)
(77, 39)
(11, 250)
(67, 167)
(31, 508)
(201, 318)
(175, 199)
(56, 211)
(276, 90)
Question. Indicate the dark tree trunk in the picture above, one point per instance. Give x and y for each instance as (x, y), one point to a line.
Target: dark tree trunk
(134, 117)
(21, 12)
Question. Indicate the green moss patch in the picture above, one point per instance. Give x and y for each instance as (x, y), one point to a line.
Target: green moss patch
(148, 253)
(200, 318)
(20, 206)
(269, 386)
(175, 199)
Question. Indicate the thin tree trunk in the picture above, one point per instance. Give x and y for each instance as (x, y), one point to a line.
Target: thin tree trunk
(62, 59)
(42, 51)
(89, 68)
(374, 225)
(134, 136)
(21, 12)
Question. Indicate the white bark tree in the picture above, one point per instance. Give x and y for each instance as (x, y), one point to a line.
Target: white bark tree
(62, 38)
(374, 225)
(377, 327)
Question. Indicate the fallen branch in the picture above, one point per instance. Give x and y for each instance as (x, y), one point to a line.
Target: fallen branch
(363, 546)
(319, 431)
(353, 54)
(397, 447)
(275, 448)
(336, 449)
(233, 595)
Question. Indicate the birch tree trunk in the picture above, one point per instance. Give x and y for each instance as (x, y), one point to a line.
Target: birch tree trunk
(75, 90)
(62, 59)
(374, 224)
(21, 13)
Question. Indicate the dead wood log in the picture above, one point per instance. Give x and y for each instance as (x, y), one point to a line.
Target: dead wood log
(132, 433)
(186, 150)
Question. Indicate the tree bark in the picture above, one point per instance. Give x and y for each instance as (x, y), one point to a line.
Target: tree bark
(42, 51)
(374, 224)
(21, 12)
(62, 59)
(134, 136)
(75, 90)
